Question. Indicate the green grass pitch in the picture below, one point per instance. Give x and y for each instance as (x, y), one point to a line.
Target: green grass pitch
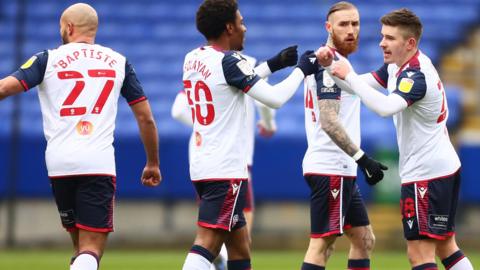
(165, 259)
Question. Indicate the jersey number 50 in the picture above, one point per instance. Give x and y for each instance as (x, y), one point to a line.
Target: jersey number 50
(80, 85)
(196, 103)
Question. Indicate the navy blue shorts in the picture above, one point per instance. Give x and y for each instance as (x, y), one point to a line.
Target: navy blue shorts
(335, 205)
(85, 202)
(429, 207)
(221, 203)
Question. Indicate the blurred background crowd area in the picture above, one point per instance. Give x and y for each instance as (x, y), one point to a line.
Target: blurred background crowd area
(155, 36)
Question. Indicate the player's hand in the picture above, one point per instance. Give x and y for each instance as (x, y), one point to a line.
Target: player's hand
(266, 130)
(285, 58)
(372, 169)
(151, 176)
(340, 69)
(308, 63)
(324, 56)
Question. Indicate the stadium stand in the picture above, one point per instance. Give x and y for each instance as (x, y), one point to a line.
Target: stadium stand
(156, 34)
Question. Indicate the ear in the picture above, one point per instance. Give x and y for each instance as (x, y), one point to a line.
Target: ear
(328, 27)
(70, 28)
(229, 27)
(411, 43)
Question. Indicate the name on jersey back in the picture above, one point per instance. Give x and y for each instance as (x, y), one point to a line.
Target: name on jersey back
(86, 53)
(198, 66)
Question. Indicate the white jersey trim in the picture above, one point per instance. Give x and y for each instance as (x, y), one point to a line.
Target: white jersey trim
(409, 182)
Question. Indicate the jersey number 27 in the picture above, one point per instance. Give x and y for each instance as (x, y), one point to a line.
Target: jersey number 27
(66, 110)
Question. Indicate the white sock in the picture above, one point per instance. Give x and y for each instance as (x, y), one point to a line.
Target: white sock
(221, 261)
(84, 261)
(196, 262)
(463, 264)
(223, 253)
(212, 266)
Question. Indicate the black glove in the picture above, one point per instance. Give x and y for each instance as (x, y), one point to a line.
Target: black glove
(372, 169)
(285, 58)
(308, 63)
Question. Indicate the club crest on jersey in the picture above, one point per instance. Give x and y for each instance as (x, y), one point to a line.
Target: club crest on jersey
(84, 128)
(327, 79)
(405, 85)
(245, 67)
(29, 62)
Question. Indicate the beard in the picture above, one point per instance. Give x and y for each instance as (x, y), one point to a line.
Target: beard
(64, 37)
(343, 47)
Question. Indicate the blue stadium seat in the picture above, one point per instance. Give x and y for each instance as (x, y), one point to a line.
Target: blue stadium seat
(155, 35)
(377, 132)
(162, 37)
(455, 106)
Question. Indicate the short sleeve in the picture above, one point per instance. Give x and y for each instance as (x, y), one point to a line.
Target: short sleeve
(238, 72)
(411, 85)
(381, 75)
(132, 90)
(326, 87)
(31, 73)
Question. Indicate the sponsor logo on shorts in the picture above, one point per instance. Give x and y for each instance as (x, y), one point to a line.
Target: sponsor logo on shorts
(335, 193)
(438, 221)
(234, 220)
(67, 217)
(235, 188)
(410, 223)
(422, 191)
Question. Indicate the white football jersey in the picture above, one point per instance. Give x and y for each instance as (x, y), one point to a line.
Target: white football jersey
(214, 81)
(79, 85)
(323, 156)
(250, 110)
(250, 131)
(424, 145)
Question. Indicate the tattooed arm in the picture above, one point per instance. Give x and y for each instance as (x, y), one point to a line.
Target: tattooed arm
(372, 169)
(330, 122)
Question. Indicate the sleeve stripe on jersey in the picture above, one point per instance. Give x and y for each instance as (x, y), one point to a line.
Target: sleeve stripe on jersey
(25, 85)
(247, 89)
(137, 100)
(379, 80)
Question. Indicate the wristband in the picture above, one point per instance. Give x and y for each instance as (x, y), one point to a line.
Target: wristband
(358, 155)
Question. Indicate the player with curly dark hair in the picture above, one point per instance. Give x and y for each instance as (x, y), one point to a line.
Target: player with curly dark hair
(216, 78)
